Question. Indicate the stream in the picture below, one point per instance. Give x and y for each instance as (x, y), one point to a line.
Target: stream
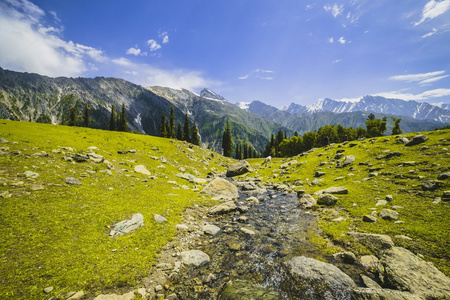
(254, 262)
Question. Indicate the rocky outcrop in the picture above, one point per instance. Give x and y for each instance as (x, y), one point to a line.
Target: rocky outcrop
(307, 201)
(220, 189)
(239, 168)
(244, 290)
(418, 139)
(223, 208)
(306, 276)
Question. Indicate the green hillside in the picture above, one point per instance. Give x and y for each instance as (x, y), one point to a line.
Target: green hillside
(56, 234)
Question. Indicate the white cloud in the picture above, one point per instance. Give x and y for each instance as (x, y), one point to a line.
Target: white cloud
(336, 10)
(243, 77)
(431, 94)
(417, 77)
(433, 9)
(342, 40)
(258, 74)
(165, 37)
(134, 51)
(153, 45)
(434, 79)
(28, 45)
(336, 61)
(122, 61)
(331, 40)
(430, 33)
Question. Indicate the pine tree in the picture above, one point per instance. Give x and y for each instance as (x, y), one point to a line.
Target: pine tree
(245, 151)
(179, 132)
(195, 139)
(122, 121)
(227, 141)
(86, 119)
(112, 121)
(72, 116)
(172, 122)
(186, 129)
(162, 126)
(396, 128)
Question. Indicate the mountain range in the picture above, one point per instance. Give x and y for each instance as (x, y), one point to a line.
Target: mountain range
(36, 98)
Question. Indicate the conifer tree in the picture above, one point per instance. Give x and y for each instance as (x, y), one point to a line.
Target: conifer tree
(86, 118)
(122, 120)
(179, 132)
(195, 139)
(72, 116)
(172, 122)
(186, 129)
(162, 126)
(227, 141)
(112, 121)
(396, 128)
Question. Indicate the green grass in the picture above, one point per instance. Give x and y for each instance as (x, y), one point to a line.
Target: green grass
(426, 223)
(59, 236)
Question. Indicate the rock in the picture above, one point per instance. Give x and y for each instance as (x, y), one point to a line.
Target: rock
(333, 190)
(126, 296)
(316, 181)
(239, 168)
(2, 140)
(78, 157)
(388, 214)
(393, 154)
(348, 160)
(247, 231)
(339, 219)
(97, 158)
(443, 176)
(243, 290)
(48, 290)
(319, 174)
(382, 294)
(369, 261)
(381, 203)
(72, 181)
(307, 276)
(182, 227)
(289, 163)
(223, 208)
(374, 242)
(347, 257)
(327, 199)
(211, 229)
(431, 185)
(369, 219)
(40, 154)
(220, 189)
(123, 227)
(31, 174)
(76, 296)
(370, 283)
(389, 198)
(172, 296)
(425, 280)
(307, 201)
(252, 200)
(194, 258)
(446, 196)
(159, 218)
(142, 169)
(108, 164)
(418, 139)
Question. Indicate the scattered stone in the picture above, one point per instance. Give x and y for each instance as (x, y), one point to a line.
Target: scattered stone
(72, 181)
(389, 198)
(403, 237)
(126, 296)
(159, 218)
(431, 185)
(243, 290)
(396, 207)
(2, 140)
(182, 227)
(307, 276)
(211, 229)
(37, 187)
(381, 203)
(319, 174)
(316, 181)
(97, 158)
(31, 174)
(223, 208)
(123, 227)
(48, 290)
(327, 199)
(369, 261)
(247, 231)
(40, 154)
(393, 154)
(220, 189)
(374, 242)
(350, 159)
(388, 214)
(307, 201)
(142, 169)
(446, 196)
(369, 219)
(252, 200)
(418, 139)
(338, 219)
(443, 176)
(239, 168)
(370, 283)
(347, 257)
(76, 296)
(333, 190)
(338, 178)
(194, 258)
(172, 296)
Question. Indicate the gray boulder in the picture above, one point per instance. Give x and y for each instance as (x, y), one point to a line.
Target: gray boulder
(431, 185)
(97, 158)
(72, 181)
(388, 214)
(307, 201)
(223, 208)
(307, 276)
(337, 190)
(211, 229)
(123, 227)
(31, 174)
(239, 168)
(382, 294)
(159, 218)
(220, 189)
(369, 219)
(194, 258)
(418, 139)
(404, 271)
(142, 169)
(374, 242)
(244, 290)
(443, 176)
(327, 199)
(348, 160)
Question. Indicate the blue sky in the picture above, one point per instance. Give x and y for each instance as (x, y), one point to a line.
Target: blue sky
(275, 51)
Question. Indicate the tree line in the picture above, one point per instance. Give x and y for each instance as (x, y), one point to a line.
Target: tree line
(280, 146)
(241, 150)
(181, 132)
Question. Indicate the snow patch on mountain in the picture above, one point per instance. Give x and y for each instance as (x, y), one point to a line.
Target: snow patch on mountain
(243, 105)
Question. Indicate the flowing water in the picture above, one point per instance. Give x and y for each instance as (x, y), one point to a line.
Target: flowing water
(255, 261)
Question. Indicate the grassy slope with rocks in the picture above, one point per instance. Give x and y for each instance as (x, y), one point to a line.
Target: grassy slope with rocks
(55, 234)
(423, 217)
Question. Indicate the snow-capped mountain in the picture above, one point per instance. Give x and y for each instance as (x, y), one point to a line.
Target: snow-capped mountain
(207, 93)
(377, 104)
